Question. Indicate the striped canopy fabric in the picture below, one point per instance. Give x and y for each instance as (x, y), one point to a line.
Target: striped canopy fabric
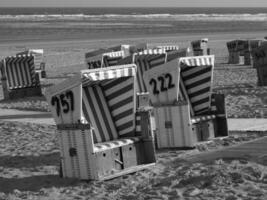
(196, 82)
(112, 58)
(109, 101)
(168, 48)
(20, 71)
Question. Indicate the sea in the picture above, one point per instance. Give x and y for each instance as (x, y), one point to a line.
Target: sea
(95, 23)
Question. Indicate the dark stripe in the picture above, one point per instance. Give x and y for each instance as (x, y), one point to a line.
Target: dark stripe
(197, 83)
(21, 73)
(17, 70)
(123, 114)
(92, 106)
(120, 92)
(12, 71)
(131, 134)
(199, 92)
(138, 122)
(125, 126)
(140, 80)
(32, 70)
(8, 72)
(86, 115)
(25, 68)
(121, 103)
(104, 115)
(200, 101)
(117, 81)
(204, 110)
(195, 74)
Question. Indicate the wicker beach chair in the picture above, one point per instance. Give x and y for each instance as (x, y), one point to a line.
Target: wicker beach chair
(19, 77)
(103, 125)
(186, 111)
(200, 47)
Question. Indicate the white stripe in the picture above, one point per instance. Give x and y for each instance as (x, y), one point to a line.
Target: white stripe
(199, 97)
(198, 78)
(197, 88)
(122, 109)
(99, 114)
(201, 106)
(124, 120)
(124, 131)
(121, 97)
(108, 116)
(92, 119)
(118, 87)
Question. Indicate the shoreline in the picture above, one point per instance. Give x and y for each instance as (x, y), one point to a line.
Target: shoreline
(179, 36)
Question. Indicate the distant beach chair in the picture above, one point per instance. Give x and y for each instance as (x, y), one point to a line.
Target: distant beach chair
(200, 47)
(260, 62)
(38, 61)
(104, 127)
(186, 111)
(110, 56)
(19, 78)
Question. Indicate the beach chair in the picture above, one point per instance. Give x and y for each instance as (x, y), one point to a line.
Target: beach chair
(200, 47)
(237, 50)
(19, 78)
(253, 45)
(260, 62)
(103, 125)
(186, 111)
(38, 61)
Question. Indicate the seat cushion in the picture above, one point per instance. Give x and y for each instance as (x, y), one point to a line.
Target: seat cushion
(98, 147)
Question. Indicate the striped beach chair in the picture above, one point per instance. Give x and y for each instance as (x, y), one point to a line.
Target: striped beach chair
(19, 78)
(39, 62)
(181, 92)
(103, 126)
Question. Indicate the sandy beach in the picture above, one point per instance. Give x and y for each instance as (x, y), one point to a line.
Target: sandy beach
(29, 154)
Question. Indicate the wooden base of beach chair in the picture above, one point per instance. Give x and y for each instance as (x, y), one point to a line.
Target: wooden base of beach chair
(80, 160)
(262, 75)
(177, 129)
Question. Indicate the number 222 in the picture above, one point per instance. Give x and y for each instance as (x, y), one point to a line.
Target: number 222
(154, 83)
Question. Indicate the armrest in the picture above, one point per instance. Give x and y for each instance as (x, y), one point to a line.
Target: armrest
(218, 105)
(145, 122)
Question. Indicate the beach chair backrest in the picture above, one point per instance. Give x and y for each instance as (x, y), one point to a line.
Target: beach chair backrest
(196, 82)
(232, 45)
(93, 59)
(162, 83)
(109, 101)
(146, 60)
(38, 56)
(112, 58)
(20, 71)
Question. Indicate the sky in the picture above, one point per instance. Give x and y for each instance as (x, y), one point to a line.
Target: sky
(133, 3)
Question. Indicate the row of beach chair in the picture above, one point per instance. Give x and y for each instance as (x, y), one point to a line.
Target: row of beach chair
(111, 115)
